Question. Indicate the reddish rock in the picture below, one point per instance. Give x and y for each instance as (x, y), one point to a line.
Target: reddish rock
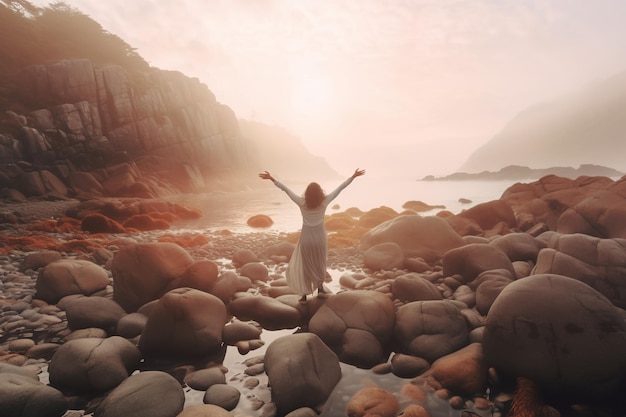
(145, 222)
(372, 402)
(260, 220)
(98, 223)
(463, 372)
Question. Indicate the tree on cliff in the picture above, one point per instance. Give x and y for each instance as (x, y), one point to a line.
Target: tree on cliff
(35, 35)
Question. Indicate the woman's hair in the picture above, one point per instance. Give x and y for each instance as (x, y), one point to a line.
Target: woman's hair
(313, 196)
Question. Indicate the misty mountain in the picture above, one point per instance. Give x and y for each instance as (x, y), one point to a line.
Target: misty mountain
(587, 127)
(281, 152)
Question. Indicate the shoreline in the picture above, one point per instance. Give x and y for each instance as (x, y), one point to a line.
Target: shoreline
(221, 246)
(396, 271)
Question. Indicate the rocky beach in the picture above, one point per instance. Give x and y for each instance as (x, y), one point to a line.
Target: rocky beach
(511, 307)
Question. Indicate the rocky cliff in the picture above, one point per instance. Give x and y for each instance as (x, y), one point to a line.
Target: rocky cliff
(81, 130)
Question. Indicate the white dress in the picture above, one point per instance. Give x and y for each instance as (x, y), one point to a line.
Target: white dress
(307, 267)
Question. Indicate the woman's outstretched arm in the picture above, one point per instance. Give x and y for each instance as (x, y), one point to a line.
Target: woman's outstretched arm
(293, 196)
(335, 193)
(266, 176)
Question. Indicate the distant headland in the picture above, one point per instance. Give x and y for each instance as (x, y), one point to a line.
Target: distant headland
(516, 173)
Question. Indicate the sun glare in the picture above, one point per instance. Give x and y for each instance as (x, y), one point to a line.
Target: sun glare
(311, 92)
(311, 96)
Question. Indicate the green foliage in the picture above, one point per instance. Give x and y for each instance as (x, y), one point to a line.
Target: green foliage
(33, 35)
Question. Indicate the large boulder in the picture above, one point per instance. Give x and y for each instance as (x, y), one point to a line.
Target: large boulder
(519, 246)
(145, 271)
(356, 325)
(100, 312)
(488, 215)
(385, 256)
(92, 365)
(69, 276)
(301, 370)
(488, 286)
(599, 263)
(201, 275)
(413, 287)
(184, 322)
(430, 329)
(428, 238)
(545, 327)
(146, 394)
(602, 214)
(473, 259)
(21, 396)
(463, 372)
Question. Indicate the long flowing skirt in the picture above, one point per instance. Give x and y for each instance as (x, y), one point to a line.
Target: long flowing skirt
(307, 267)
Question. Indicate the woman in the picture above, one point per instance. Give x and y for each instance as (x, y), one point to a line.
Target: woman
(307, 267)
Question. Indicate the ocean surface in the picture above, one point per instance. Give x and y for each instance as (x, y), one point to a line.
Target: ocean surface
(231, 210)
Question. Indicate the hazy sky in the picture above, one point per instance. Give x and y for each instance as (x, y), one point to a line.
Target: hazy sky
(396, 86)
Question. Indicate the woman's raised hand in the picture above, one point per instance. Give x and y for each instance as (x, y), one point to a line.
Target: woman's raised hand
(358, 173)
(266, 176)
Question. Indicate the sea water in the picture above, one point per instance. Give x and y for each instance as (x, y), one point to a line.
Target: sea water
(231, 210)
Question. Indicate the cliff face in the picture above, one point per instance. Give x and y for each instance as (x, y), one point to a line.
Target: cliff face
(80, 130)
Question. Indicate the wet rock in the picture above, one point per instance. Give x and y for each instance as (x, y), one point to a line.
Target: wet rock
(542, 327)
(301, 370)
(372, 402)
(256, 271)
(407, 366)
(357, 325)
(244, 256)
(93, 365)
(463, 372)
(260, 221)
(238, 330)
(179, 326)
(222, 395)
(136, 397)
(84, 312)
(202, 379)
(21, 396)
